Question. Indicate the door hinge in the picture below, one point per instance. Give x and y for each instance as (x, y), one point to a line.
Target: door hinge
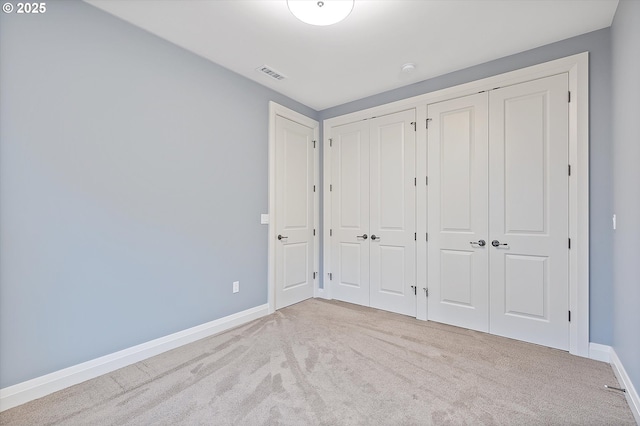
(427, 235)
(569, 316)
(569, 243)
(426, 292)
(314, 145)
(569, 169)
(330, 142)
(428, 120)
(415, 236)
(415, 290)
(426, 180)
(415, 181)
(413, 123)
(314, 188)
(314, 232)
(569, 98)
(330, 187)
(314, 275)
(330, 276)
(331, 232)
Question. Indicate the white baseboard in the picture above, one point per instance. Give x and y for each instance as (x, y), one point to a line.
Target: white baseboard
(600, 352)
(608, 354)
(625, 382)
(21, 393)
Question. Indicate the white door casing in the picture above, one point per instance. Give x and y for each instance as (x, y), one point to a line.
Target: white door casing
(392, 213)
(458, 273)
(529, 205)
(349, 192)
(293, 207)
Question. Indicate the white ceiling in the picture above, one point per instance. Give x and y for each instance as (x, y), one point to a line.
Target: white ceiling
(362, 55)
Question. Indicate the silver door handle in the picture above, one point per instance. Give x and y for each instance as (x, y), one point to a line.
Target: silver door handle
(497, 243)
(481, 243)
(282, 237)
(374, 237)
(363, 236)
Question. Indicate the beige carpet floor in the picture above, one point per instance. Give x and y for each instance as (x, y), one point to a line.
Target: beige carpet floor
(331, 363)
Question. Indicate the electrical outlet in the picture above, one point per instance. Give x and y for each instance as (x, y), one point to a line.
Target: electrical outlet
(236, 286)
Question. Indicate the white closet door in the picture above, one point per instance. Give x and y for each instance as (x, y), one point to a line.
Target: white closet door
(350, 213)
(294, 212)
(528, 178)
(457, 212)
(393, 213)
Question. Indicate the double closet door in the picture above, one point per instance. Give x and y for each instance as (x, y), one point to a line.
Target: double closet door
(373, 196)
(498, 251)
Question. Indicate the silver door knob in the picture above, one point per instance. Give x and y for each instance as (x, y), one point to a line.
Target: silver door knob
(497, 243)
(481, 243)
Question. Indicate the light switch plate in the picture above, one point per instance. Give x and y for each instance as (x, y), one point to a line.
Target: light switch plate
(264, 219)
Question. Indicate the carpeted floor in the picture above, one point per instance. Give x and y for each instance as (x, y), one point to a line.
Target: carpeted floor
(331, 363)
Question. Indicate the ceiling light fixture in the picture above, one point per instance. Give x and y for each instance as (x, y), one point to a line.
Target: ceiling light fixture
(323, 12)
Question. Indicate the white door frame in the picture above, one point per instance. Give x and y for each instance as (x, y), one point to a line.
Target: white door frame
(279, 110)
(577, 67)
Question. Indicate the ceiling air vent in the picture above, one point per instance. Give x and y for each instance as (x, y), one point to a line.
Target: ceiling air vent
(271, 72)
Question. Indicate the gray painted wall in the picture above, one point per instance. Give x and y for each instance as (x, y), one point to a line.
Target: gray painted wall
(132, 178)
(625, 34)
(598, 43)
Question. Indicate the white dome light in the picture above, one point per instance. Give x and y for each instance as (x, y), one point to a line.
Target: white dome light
(324, 12)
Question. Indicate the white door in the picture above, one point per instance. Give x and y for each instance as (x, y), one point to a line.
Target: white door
(350, 213)
(392, 213)
(529, 183)
(294, 212)
(373, 213)
(457, 212)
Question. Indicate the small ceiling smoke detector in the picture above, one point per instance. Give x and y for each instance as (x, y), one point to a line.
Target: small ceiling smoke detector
(271, 72)
(407, 68)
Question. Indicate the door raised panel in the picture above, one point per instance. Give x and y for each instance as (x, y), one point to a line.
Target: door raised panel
(349, 182)
(456, 168)
(296, 180)
(526, 157)
(526, 292)
(296, 257)
(457, 276)
(392, 270)
(350, 259)
(391, 177)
